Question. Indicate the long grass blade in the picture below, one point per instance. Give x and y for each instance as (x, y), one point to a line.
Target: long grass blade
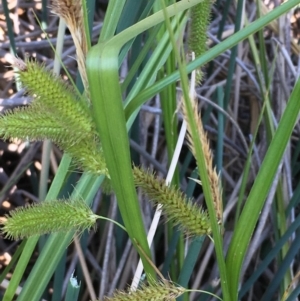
(260, 189)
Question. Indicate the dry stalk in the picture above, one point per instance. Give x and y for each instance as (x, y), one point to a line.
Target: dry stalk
(214, 180)
(72, 13)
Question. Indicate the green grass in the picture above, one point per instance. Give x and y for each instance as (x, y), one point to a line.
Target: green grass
(155, 68)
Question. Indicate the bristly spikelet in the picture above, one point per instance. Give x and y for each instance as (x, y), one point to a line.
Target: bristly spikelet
(88, 155)
(199, 20)
(48, 217)
(215, 184)
(34, 124)
(192, 219)
(56, 96)
(56, 113)
(159, 291)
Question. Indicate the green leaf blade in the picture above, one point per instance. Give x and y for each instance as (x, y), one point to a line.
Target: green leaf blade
(102, 69)
(260, 189)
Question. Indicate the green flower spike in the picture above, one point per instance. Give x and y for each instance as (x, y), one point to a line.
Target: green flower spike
(56, 96)
(48, 217)
(157, 291)
(57, 113)
(34, 124)
(175, 205)
(200, 17)
(88, 155)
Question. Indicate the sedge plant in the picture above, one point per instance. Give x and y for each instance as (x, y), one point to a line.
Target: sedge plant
(80, 124)
(63, 117)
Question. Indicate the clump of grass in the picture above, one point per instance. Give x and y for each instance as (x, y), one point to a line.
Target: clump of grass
(58, 115)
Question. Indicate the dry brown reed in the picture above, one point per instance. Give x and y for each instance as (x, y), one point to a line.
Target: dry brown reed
(72, 13)
(214, 179)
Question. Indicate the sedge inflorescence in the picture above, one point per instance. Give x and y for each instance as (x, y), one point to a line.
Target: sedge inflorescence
(57, 112)
(199, 20)
(182, 211)
(157, 291)
(48, 217)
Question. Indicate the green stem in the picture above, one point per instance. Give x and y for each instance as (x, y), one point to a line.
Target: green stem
(102, 69)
